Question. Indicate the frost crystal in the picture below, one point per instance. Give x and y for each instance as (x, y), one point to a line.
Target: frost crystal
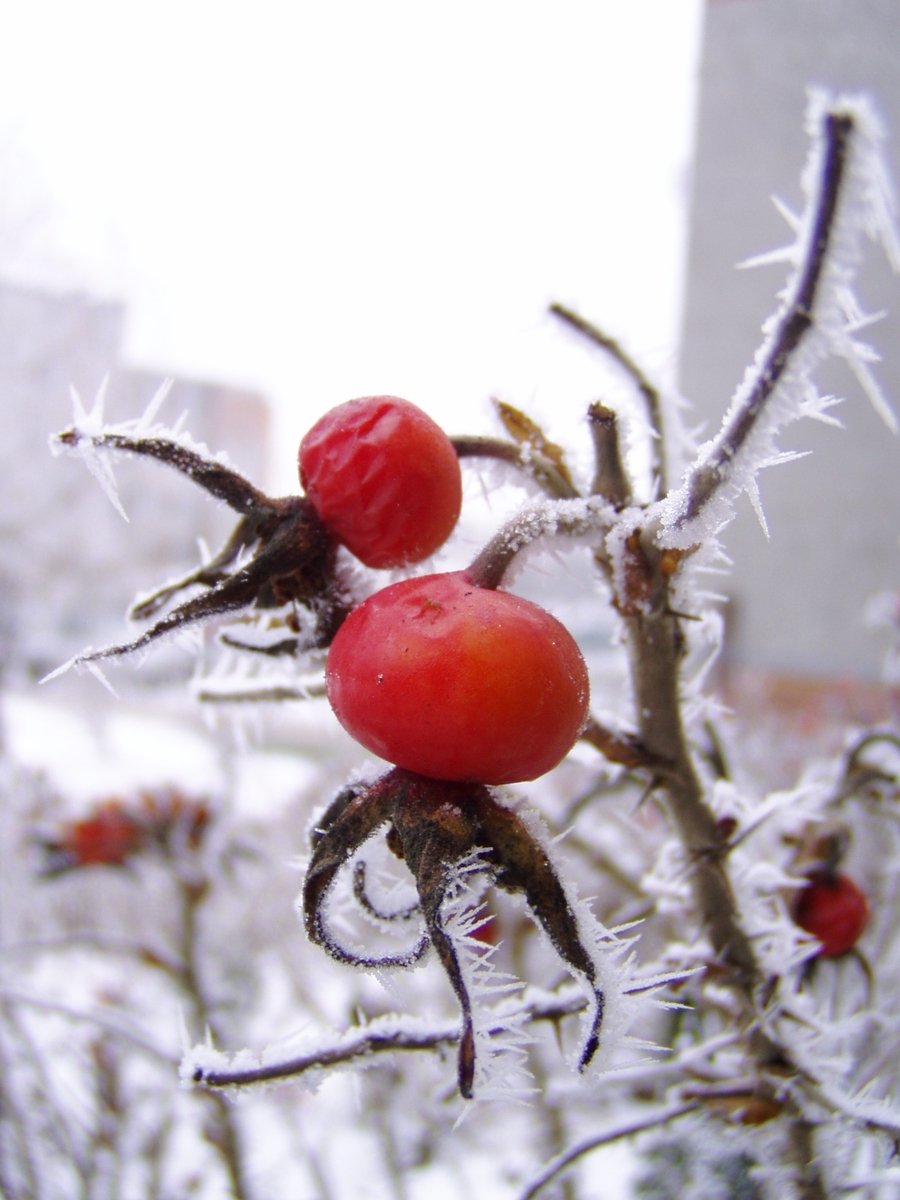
(91, 439)
(500, 1027)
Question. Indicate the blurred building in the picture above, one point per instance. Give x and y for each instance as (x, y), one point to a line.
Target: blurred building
(798, 602)
(69, 565)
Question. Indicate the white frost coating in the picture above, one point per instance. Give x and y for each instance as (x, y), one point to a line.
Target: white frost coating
(297, 1059)
(866, 208)
(90, 428)
(582, 521)
(89, 423)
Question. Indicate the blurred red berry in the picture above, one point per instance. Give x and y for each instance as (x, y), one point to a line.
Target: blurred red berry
(833, 909)
(108, 837)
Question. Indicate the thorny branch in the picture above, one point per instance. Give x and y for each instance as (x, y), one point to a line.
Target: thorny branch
(660, 748)
(385, 1036)
(796, 320)
(656, 641)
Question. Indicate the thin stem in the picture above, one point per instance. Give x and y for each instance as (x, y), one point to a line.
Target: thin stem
(385, 1036)
(222, 1130)
(529, 460)
(810, 1185)
(373, 1039)
(368, 1042)
(11, 996)
(795, 321)
(276, 693)
(662, 1116)
(563, 519)
(647, 390)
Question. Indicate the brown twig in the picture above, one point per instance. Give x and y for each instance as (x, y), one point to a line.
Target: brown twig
(610, 478)
(647, 390)
(529, 461)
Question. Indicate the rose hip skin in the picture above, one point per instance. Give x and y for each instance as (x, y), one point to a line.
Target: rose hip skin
(458, 682)
(833, 909)
(384, 479)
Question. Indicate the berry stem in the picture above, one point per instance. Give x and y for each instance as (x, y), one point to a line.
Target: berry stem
(563, 518)
(529, 460)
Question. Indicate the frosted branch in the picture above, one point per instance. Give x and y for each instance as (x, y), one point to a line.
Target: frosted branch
(561, 518)
(818, 318)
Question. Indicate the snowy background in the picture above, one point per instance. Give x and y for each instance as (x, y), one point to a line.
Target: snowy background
(323, 202)
(310, 204)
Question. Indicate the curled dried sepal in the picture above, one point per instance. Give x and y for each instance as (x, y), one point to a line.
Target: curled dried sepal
(349, 821)
(445, 831)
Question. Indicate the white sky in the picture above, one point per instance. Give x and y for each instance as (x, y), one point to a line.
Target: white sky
(328, 200)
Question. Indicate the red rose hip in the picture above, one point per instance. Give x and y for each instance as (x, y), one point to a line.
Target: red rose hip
(833, 909)
(384, 479)
(458, 682)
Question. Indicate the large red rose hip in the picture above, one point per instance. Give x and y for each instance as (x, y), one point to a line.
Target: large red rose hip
(458, 682)
(384, 479)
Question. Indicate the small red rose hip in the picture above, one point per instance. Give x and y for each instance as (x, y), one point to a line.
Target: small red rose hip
(458, 682)
(384, 479)
(833, 909)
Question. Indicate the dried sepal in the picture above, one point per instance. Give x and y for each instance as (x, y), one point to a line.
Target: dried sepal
(351, 819)
(445, 832)
(278, 554)
(523, 865)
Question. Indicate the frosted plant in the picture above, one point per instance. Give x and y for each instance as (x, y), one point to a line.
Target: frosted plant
(763, 1055)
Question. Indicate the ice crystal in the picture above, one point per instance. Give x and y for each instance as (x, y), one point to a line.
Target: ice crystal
(499, 1020)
